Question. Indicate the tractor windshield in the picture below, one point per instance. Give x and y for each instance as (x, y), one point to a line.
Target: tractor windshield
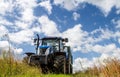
(50, 42)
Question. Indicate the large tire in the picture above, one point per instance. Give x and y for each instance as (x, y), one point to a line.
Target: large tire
(44, 69)
(68, 67)
(60, 64)
(71, 69)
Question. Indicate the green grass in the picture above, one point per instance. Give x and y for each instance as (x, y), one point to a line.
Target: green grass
(84, 75)
(56, 75)
(42, 75)
(9, 67)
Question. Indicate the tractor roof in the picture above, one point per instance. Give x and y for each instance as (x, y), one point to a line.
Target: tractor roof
(52, 38)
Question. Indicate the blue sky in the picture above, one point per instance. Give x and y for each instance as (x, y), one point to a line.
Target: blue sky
(92, 26)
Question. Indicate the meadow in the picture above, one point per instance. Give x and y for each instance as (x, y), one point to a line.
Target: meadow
(9, 67)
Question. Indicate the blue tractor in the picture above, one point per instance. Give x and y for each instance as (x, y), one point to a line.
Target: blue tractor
(52, 55)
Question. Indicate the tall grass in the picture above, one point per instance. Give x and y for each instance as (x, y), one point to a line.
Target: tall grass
(110, 68)
(9, 67)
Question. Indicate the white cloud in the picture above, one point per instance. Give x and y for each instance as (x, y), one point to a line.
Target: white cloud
(20, 30)
(48, 27)
(21, 36)
(104, 34)
(87, 43)
(77, 65)
(47, 6)
(21, 24)
(27, 15)
(104, 5)
(18, 50)
(4, 44)
(91, 44)
(83, 41)
(24, 36)
(67, 4)
(76, 16)
(5, 6)
(36, 29)
(3, 30)
(26, 9)
(75, 35)
(105, 49)
(118, 12)
(119, 41)
(81, 64)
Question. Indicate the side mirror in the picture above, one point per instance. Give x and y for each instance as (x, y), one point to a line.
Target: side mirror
(35, 40)
(65, 40)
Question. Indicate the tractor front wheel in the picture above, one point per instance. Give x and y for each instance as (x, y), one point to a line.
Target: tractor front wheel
(60, 64)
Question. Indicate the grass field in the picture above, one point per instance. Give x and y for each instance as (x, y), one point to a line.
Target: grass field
(9, 67)
(39, 75)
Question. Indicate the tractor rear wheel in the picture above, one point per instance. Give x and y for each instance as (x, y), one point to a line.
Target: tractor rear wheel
(60, 64)
(68, 67)
(71, 69)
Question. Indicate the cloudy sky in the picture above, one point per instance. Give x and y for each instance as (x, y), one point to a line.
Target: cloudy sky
(92, 26)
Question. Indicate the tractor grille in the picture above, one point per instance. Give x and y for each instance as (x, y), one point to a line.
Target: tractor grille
(43, 59)
(39, 59)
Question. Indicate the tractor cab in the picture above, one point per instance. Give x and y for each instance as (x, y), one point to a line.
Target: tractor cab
(49, 45)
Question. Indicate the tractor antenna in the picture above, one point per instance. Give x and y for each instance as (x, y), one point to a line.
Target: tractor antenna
(38, 39)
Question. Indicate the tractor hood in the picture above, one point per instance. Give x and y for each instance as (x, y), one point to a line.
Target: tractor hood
(44, 47)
